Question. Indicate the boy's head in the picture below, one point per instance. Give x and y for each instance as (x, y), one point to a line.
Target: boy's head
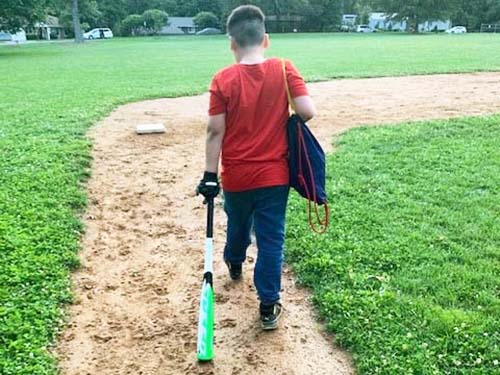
(245, 26)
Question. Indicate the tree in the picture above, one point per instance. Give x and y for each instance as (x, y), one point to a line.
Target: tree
(213, 6)
(185, 8)
(15, 14)
(206, 19)
(472, 13)
(349, 6)
(111, 13)
(168, 6)
(154, 19)
(192, 7)
(89, 14)
(280, 8)
(322, 15)
(363, 10)
(131, 24)
(277, 8)
(417, 11)
(138, 6)
(76, 21)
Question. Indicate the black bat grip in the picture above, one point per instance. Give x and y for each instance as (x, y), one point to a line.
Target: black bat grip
(210, 217)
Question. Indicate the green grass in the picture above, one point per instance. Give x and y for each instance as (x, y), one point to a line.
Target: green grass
(408, 275)
(52, 93)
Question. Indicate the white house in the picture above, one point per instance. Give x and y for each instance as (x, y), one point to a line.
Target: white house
(383, 21)
(434, 26)
(50, 29)
(349, 19)
(18, 37)
(179, 26)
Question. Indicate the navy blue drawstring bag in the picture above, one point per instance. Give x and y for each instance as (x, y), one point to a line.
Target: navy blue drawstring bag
(306, 163)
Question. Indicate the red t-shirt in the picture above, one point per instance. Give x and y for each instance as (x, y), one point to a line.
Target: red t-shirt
(254, 99)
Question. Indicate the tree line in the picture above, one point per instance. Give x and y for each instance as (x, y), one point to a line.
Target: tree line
(125, 16)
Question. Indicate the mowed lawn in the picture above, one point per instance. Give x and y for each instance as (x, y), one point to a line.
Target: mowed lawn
(52, 93)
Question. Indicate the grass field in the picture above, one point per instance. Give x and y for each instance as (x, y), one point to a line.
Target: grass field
(51, 94)
(409, 273)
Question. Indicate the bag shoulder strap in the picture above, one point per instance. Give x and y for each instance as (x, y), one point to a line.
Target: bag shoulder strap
(321, 224)
(289, 95)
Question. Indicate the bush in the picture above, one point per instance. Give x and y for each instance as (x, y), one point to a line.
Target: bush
(154, 19)
(206, 19)
(31, 36)
(117, 29)
(131, 24)
(85, 27)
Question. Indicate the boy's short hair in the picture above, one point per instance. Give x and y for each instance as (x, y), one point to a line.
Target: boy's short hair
(246, 26)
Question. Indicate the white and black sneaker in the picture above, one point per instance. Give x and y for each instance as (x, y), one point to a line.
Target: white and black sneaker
(235, 270)
(270, 315)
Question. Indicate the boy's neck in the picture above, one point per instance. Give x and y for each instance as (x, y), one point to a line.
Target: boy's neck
(248, 57)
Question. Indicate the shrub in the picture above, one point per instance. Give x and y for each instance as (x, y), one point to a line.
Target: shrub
(206, 19)
(154, 20)
(131, 24)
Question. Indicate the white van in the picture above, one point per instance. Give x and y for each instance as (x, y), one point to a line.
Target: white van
(99, 33)
(364, 29)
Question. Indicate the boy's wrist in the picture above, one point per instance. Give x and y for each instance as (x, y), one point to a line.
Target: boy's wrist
(209, 176)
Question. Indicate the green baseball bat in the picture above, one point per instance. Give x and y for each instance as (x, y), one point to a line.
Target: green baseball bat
(205, 347)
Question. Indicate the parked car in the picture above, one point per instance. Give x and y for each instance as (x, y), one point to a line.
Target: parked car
(209, 31)
(364, 29)
(457, 30)
(99, 33)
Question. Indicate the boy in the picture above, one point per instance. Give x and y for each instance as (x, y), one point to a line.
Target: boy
(247, 125)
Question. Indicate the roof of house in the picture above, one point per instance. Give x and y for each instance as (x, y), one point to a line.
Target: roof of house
(180, 22)
(5, 36)
(171, 30)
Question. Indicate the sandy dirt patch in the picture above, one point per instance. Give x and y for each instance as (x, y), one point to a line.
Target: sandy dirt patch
(138, 288)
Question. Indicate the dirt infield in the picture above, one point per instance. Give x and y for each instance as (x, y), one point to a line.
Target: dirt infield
(138, 288)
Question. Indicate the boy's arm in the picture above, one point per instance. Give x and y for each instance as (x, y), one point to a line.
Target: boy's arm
(215, 134)
(209, 184)
(304, 107)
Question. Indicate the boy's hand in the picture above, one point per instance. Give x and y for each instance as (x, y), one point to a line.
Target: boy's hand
(208, 186)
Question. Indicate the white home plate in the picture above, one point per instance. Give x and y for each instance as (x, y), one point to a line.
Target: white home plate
(150, 128)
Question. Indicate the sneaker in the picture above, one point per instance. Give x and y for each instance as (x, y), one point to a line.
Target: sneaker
(234, 270)
(270, 315)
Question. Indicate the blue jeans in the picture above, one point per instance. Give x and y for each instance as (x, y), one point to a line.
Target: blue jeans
(265, 209)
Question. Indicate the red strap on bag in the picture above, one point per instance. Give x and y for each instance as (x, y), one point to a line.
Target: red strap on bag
(311, 198)
(321, 224)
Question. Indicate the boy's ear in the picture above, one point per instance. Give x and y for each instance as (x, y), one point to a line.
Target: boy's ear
(266, 42)
(234, 46)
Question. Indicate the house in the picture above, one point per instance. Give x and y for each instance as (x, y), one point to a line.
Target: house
(434, 26)
(349, 20)
(48, 30)
(18, 37)
(179, 26)
(383, 21)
